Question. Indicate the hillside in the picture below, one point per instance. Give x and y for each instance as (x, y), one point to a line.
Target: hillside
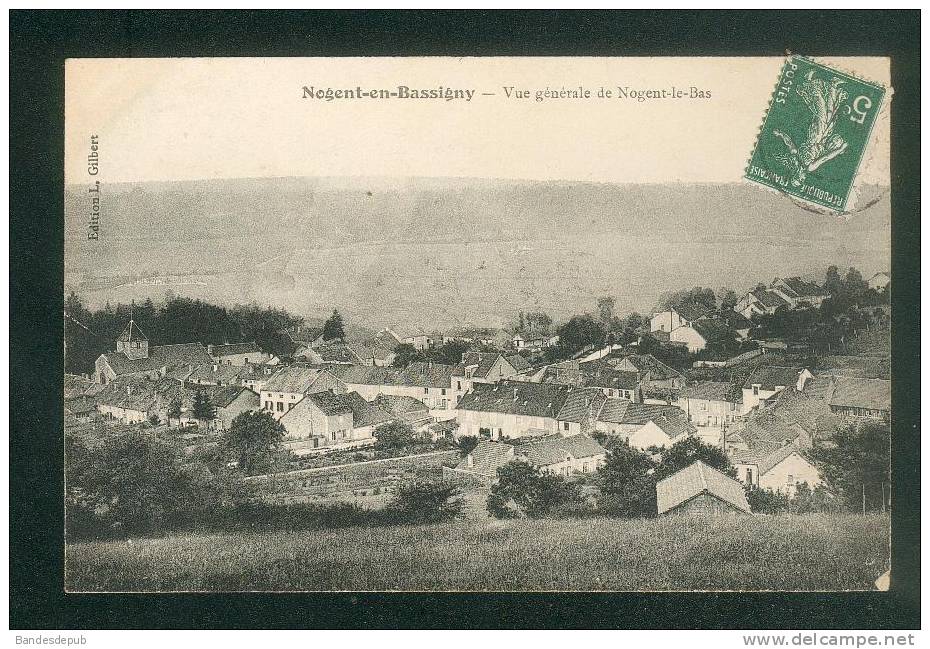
(438, 252)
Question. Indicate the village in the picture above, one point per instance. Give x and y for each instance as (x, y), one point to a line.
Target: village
(505, 396)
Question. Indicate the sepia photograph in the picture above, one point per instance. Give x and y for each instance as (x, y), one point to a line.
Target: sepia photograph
(478, 324)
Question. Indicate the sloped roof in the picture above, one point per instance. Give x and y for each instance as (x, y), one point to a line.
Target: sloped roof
(75, 385)
(232, 349)
(400, 405)
(222, 396)
(852, 392)
(80, 405)
(802, 288)
(517, 398)
(582, 404)
(674, 424)
(486, 458)
(336, 352)
(692, 310)
(364, 413)
(771, 376)
(518, 362)
(696, 479)
(713, 391)
(713, 330)
(218, 372)
(330, 404)
(170, 356)
(130, 393)
(293, 379)
(424, 374)
(768, 298)
(765, 430)
(483, 361)
(304, 334)
(605, 377)
(555, 449)
(766, 459)
(622, 411)
(658, 371)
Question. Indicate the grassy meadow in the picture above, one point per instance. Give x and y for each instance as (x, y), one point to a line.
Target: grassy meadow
(812, 552)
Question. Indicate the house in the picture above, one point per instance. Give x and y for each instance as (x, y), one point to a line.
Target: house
(216, 374)
(327, 420)
(760, 301)
(579, 412)
(879, 281)
(643, 424)
(712, 403)
(80, 409)
(437, 385)
(377, 351)
(529, 341)
(484, 367)
(562, 456)
(302, 336)
(554, 455)
(407, 409)
(482, 463)
(286, 387)
(797, 292)
(479, 335)
(767, 380)
(76, 386)
(700, 334)
(857, 398)
(654, 375)
(230, 401)
(134, 357)
(238, 354)
(700, 490)
(511, 409)
(780, 469)
(128, 400)
(683, 315)
(254, 377)
(420, 339)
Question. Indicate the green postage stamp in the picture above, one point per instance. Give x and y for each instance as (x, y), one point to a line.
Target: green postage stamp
(815, 133)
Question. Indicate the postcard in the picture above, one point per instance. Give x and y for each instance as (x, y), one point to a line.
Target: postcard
(478, 324)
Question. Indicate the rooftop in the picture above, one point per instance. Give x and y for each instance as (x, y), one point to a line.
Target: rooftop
(696, 479)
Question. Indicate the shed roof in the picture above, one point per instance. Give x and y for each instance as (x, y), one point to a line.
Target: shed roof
(486, 458)
(696, 479)
(852, 392)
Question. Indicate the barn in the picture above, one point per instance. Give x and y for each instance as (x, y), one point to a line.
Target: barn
(700, 490)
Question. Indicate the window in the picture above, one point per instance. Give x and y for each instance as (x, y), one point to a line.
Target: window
(458, 385)
(268, 405)
(425, 390)
(565, 425)
(280, 406)
(755, 390)
(443, 392)
(334, 436)
(290, 405)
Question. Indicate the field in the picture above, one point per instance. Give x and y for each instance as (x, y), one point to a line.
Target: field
(813, 552)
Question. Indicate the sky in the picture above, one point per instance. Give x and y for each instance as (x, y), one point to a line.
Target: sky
(186, 119)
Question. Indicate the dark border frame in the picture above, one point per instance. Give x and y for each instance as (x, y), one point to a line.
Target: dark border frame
(39, 43)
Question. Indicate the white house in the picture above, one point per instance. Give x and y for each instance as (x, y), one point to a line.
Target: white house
(238, 354)
(286, 387)
(760, 301)
(698, 335)
(681, 316)
(511, 409)
(712, 403)
(781, 469)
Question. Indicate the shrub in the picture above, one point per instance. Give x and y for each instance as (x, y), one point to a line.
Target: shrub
(766, 501)
(394, 435)
(426, 502)
(627, 480)
(522, 490)
(467, 444)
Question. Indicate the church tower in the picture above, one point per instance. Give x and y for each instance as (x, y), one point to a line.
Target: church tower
(132, 342)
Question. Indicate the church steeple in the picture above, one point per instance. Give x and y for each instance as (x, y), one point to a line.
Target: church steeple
(132, 342)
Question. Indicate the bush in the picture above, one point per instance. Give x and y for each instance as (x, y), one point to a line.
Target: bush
(395, 435)
(426, 502)
(467, 444)
(522, 490)
(766, 501)
(628, 484)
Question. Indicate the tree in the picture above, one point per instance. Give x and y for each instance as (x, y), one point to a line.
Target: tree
(579, 332)
(605, 311)
(154, 419)
(537, 322)
(333, 329)
(395, 434)
(766, 501)
(854, 285)
(254, 442)
(450, 353)
(404, 354)
(627, 482)
(727, 298)
(522, 490)
(832, 281)
(174, 410)
(858, 463)
(203, 408)
(427, 502)
(689, 450)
